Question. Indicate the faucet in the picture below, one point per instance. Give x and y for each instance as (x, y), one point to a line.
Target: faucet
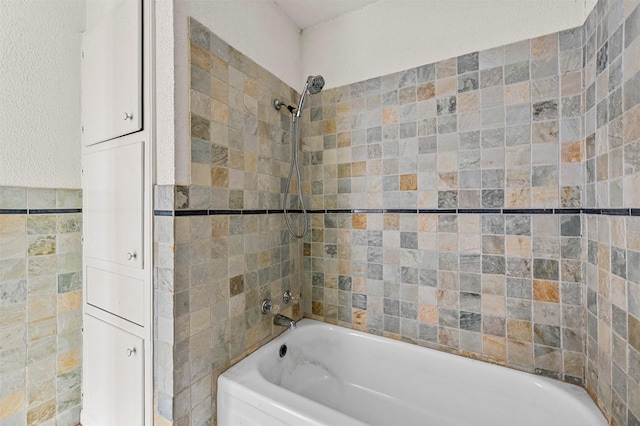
(283, 321)
(278, 319)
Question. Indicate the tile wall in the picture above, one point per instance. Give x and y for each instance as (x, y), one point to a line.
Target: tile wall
(40, 306)
(221, 242)
(483, 205)
(451, 174)
(612, 243)
(486, 205)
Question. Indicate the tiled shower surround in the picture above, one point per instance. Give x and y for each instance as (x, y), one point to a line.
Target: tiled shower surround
(40, 306)
(219, 252)
(485, 205)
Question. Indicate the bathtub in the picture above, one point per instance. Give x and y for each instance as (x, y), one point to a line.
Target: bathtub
(319, 374)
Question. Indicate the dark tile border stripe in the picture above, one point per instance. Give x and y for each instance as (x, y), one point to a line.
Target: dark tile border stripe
(527, 211)
(54, 211)
(480, 211)
(13, 211)
(607, 212)
(40, 211)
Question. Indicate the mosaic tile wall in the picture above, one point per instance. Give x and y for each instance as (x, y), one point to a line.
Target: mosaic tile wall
(450, 205)
(221, 243)
(460, 205)
(485, 146)
(40, 306)
(612, 178)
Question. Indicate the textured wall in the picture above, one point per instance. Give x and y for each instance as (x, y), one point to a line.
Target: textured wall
(40, 86)
(352, 47)
(219, 250)
(40, 306)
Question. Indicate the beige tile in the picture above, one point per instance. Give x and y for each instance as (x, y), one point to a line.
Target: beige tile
(426, 91)
(446, 86)
(12, 404)
(446, 68)
(544, 46)
(517, 93)
(68, 361)
(389, 115)
(494, 347)
(517, 197)
(199, 57)
(200, 174)
(518, 246)
(520, 353)
(544, 197)
(428, 314)
(631, 123)
(69, 301)
(408, 182)
(12, 225)
(200, 104)
(519, 330)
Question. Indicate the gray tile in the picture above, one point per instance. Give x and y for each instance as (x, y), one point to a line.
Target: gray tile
(547, 110)
(546, 269)
(632, 89)
(517, 72)
(468, 62)
(632, 27)
(199, 33)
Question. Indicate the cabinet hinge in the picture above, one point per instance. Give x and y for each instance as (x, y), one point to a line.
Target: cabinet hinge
(81, 240)
(82, 128)
(83, 54)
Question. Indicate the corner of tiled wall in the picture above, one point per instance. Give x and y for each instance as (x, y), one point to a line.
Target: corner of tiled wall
(40, 305)
(612, 242)
(221, 245)
(482, 205)
(486, 205)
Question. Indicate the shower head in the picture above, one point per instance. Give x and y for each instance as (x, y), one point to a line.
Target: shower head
(314, 85)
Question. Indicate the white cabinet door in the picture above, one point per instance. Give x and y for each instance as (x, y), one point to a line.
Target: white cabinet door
(113, 375)
(113, 204)
(112, 74)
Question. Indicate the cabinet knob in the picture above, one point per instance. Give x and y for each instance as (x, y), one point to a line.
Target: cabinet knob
(131, 255)
(128, 116)
(131, 351)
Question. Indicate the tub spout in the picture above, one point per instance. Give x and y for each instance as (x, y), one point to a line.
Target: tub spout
(283, 321)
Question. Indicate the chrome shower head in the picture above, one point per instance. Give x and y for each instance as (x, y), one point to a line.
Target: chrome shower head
(314, 85)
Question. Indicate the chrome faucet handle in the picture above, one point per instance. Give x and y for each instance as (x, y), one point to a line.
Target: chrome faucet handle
(289, 297)
(269, 308)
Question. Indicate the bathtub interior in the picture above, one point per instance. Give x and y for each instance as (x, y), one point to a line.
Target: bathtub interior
(379, 381)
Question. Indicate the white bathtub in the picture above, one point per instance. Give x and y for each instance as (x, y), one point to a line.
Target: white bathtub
(335, 376)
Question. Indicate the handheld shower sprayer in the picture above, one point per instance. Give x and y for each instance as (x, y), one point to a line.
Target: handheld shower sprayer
(314, 85)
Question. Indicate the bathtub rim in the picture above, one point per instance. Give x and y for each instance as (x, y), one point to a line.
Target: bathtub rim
(577, 393)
